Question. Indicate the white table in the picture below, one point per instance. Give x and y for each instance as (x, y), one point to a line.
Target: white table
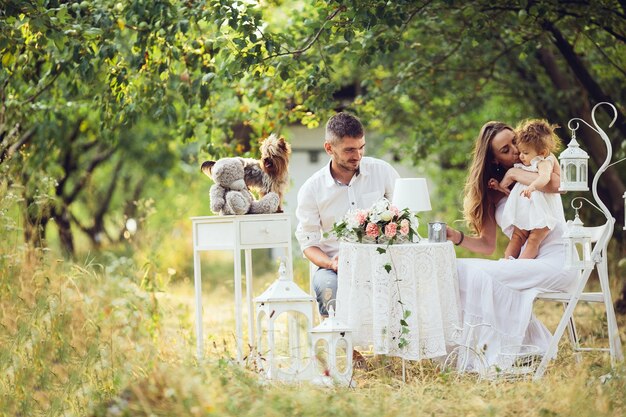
(423, 277)
(237, 233)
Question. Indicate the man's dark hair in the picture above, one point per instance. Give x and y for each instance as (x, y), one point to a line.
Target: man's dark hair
(343, 125)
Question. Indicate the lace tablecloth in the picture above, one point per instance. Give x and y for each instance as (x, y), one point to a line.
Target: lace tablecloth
(422, 280)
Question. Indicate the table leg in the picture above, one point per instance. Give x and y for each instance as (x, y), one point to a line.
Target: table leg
(238, 318)
(197, 277)
(289, 263)
(248, 262)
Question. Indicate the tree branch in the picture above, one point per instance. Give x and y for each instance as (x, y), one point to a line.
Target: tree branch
(8, 153)
(44, 88)
(69, 162)
(312, 41)
(609, 60)
(579, 69)
(105, 202)
(80, 184)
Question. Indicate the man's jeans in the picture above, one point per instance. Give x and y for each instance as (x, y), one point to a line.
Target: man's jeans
(325, 285)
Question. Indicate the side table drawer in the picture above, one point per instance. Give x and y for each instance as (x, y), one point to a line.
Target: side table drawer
(263, 232)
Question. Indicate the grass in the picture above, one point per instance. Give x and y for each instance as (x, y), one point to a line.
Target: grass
(113, 335)
(98, 340)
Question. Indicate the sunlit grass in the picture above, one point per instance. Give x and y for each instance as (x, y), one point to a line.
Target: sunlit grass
(114, 335)
(89, 340)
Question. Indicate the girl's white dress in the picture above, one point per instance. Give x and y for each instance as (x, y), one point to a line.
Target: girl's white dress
(500, 294)
(539, 211)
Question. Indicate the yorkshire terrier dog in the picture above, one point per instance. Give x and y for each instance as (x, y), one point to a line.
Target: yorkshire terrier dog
(268, 174)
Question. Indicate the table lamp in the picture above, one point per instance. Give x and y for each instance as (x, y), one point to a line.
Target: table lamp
(411, 194)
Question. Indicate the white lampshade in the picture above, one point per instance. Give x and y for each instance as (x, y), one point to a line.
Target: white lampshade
(412, 194)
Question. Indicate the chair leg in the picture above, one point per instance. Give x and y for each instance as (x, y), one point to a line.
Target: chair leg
(573, 336)
(615, 344)
(565, 319)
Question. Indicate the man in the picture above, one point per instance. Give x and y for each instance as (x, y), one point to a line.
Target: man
(349, 181)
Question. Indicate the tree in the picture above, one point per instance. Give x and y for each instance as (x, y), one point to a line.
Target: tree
(428, 73)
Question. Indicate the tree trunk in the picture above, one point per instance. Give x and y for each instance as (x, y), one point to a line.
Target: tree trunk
(66, 238)
(34, 230)
(610, 187)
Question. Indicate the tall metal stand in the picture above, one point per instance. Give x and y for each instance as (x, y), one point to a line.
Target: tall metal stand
(599, 257)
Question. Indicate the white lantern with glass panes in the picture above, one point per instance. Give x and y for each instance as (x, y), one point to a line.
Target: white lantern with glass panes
(578, 242)
(574, 162)
(332, 346)
(284, 321)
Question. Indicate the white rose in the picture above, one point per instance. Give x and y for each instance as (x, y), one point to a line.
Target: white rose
(381, 205)
(386, 215)
(352, 220)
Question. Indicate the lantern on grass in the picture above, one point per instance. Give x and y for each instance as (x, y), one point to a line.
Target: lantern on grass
(284, 321)
(574, 162)
(578, 242)
(332, 346)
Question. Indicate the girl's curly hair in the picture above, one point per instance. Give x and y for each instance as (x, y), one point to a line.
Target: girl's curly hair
(539, 134)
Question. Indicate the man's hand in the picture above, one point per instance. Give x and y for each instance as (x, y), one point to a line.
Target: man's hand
(334, 263)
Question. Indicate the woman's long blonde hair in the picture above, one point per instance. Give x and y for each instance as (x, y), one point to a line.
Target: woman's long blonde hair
(475, 201)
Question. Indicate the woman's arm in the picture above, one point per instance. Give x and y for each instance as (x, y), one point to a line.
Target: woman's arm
(485, 243)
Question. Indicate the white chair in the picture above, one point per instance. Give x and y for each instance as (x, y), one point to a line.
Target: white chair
(600, 236)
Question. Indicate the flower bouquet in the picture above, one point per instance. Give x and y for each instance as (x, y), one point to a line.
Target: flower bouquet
(382, 223)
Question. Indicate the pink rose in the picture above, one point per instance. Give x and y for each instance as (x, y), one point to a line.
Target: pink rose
(371, 230)
(395, 211)
(391, 229)
(404, 227)
(361, 215)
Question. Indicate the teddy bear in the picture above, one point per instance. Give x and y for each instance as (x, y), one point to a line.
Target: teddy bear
(230, 195)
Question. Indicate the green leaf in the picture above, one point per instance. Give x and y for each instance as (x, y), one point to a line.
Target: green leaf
(7, 59)
(406, 314)
(403, 322)
(388, 268)
(381, 250)
(93, 32)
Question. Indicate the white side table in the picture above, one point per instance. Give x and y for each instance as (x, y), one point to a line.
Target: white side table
(237, 233)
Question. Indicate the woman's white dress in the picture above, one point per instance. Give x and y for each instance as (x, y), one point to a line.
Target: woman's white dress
(539, 211)
(500, 294)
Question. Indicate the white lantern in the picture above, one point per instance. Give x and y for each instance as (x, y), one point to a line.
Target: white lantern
(574, 162)
(284, 321)
(578, 241)
(332, 345)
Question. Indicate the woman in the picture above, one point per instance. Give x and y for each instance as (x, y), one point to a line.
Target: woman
(500, 293)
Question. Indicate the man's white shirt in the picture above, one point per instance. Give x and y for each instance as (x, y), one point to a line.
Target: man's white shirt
(322, 201)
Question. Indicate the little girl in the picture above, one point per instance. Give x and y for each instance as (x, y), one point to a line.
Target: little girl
(530, 214)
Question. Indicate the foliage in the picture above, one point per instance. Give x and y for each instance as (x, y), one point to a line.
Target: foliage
(381, 223)
(227, 73)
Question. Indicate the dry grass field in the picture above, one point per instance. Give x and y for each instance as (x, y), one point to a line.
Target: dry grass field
(90, 340)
